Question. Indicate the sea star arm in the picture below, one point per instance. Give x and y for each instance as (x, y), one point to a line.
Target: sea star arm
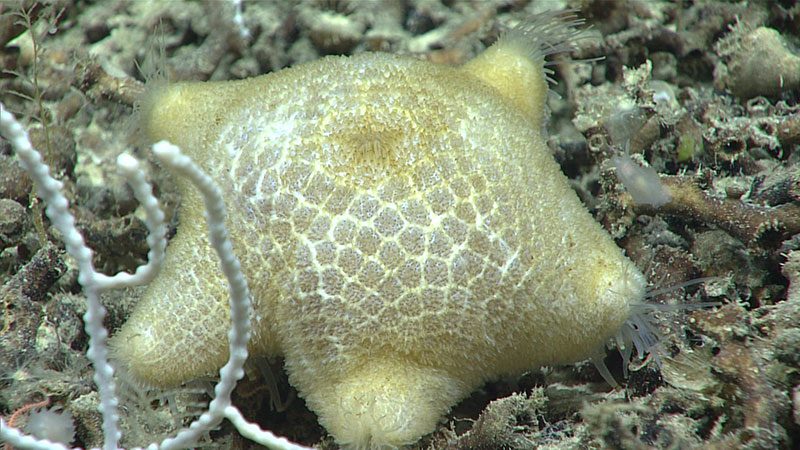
(196, 334)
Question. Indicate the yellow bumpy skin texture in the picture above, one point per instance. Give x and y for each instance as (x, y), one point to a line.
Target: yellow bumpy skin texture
(404, 229)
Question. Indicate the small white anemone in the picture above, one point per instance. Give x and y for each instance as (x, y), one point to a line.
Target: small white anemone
(51, 424)
(643, 183)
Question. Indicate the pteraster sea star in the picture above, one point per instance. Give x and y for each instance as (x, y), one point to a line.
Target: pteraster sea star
(404, 230)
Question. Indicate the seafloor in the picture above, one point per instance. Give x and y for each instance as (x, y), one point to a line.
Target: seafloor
(704, 92)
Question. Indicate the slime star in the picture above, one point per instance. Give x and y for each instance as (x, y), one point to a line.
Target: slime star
(404, 230)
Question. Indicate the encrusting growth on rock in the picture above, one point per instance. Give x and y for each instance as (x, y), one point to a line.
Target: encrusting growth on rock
(405, 232)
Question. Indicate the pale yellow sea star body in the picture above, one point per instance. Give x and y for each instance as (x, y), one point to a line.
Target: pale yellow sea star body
(404, 230)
